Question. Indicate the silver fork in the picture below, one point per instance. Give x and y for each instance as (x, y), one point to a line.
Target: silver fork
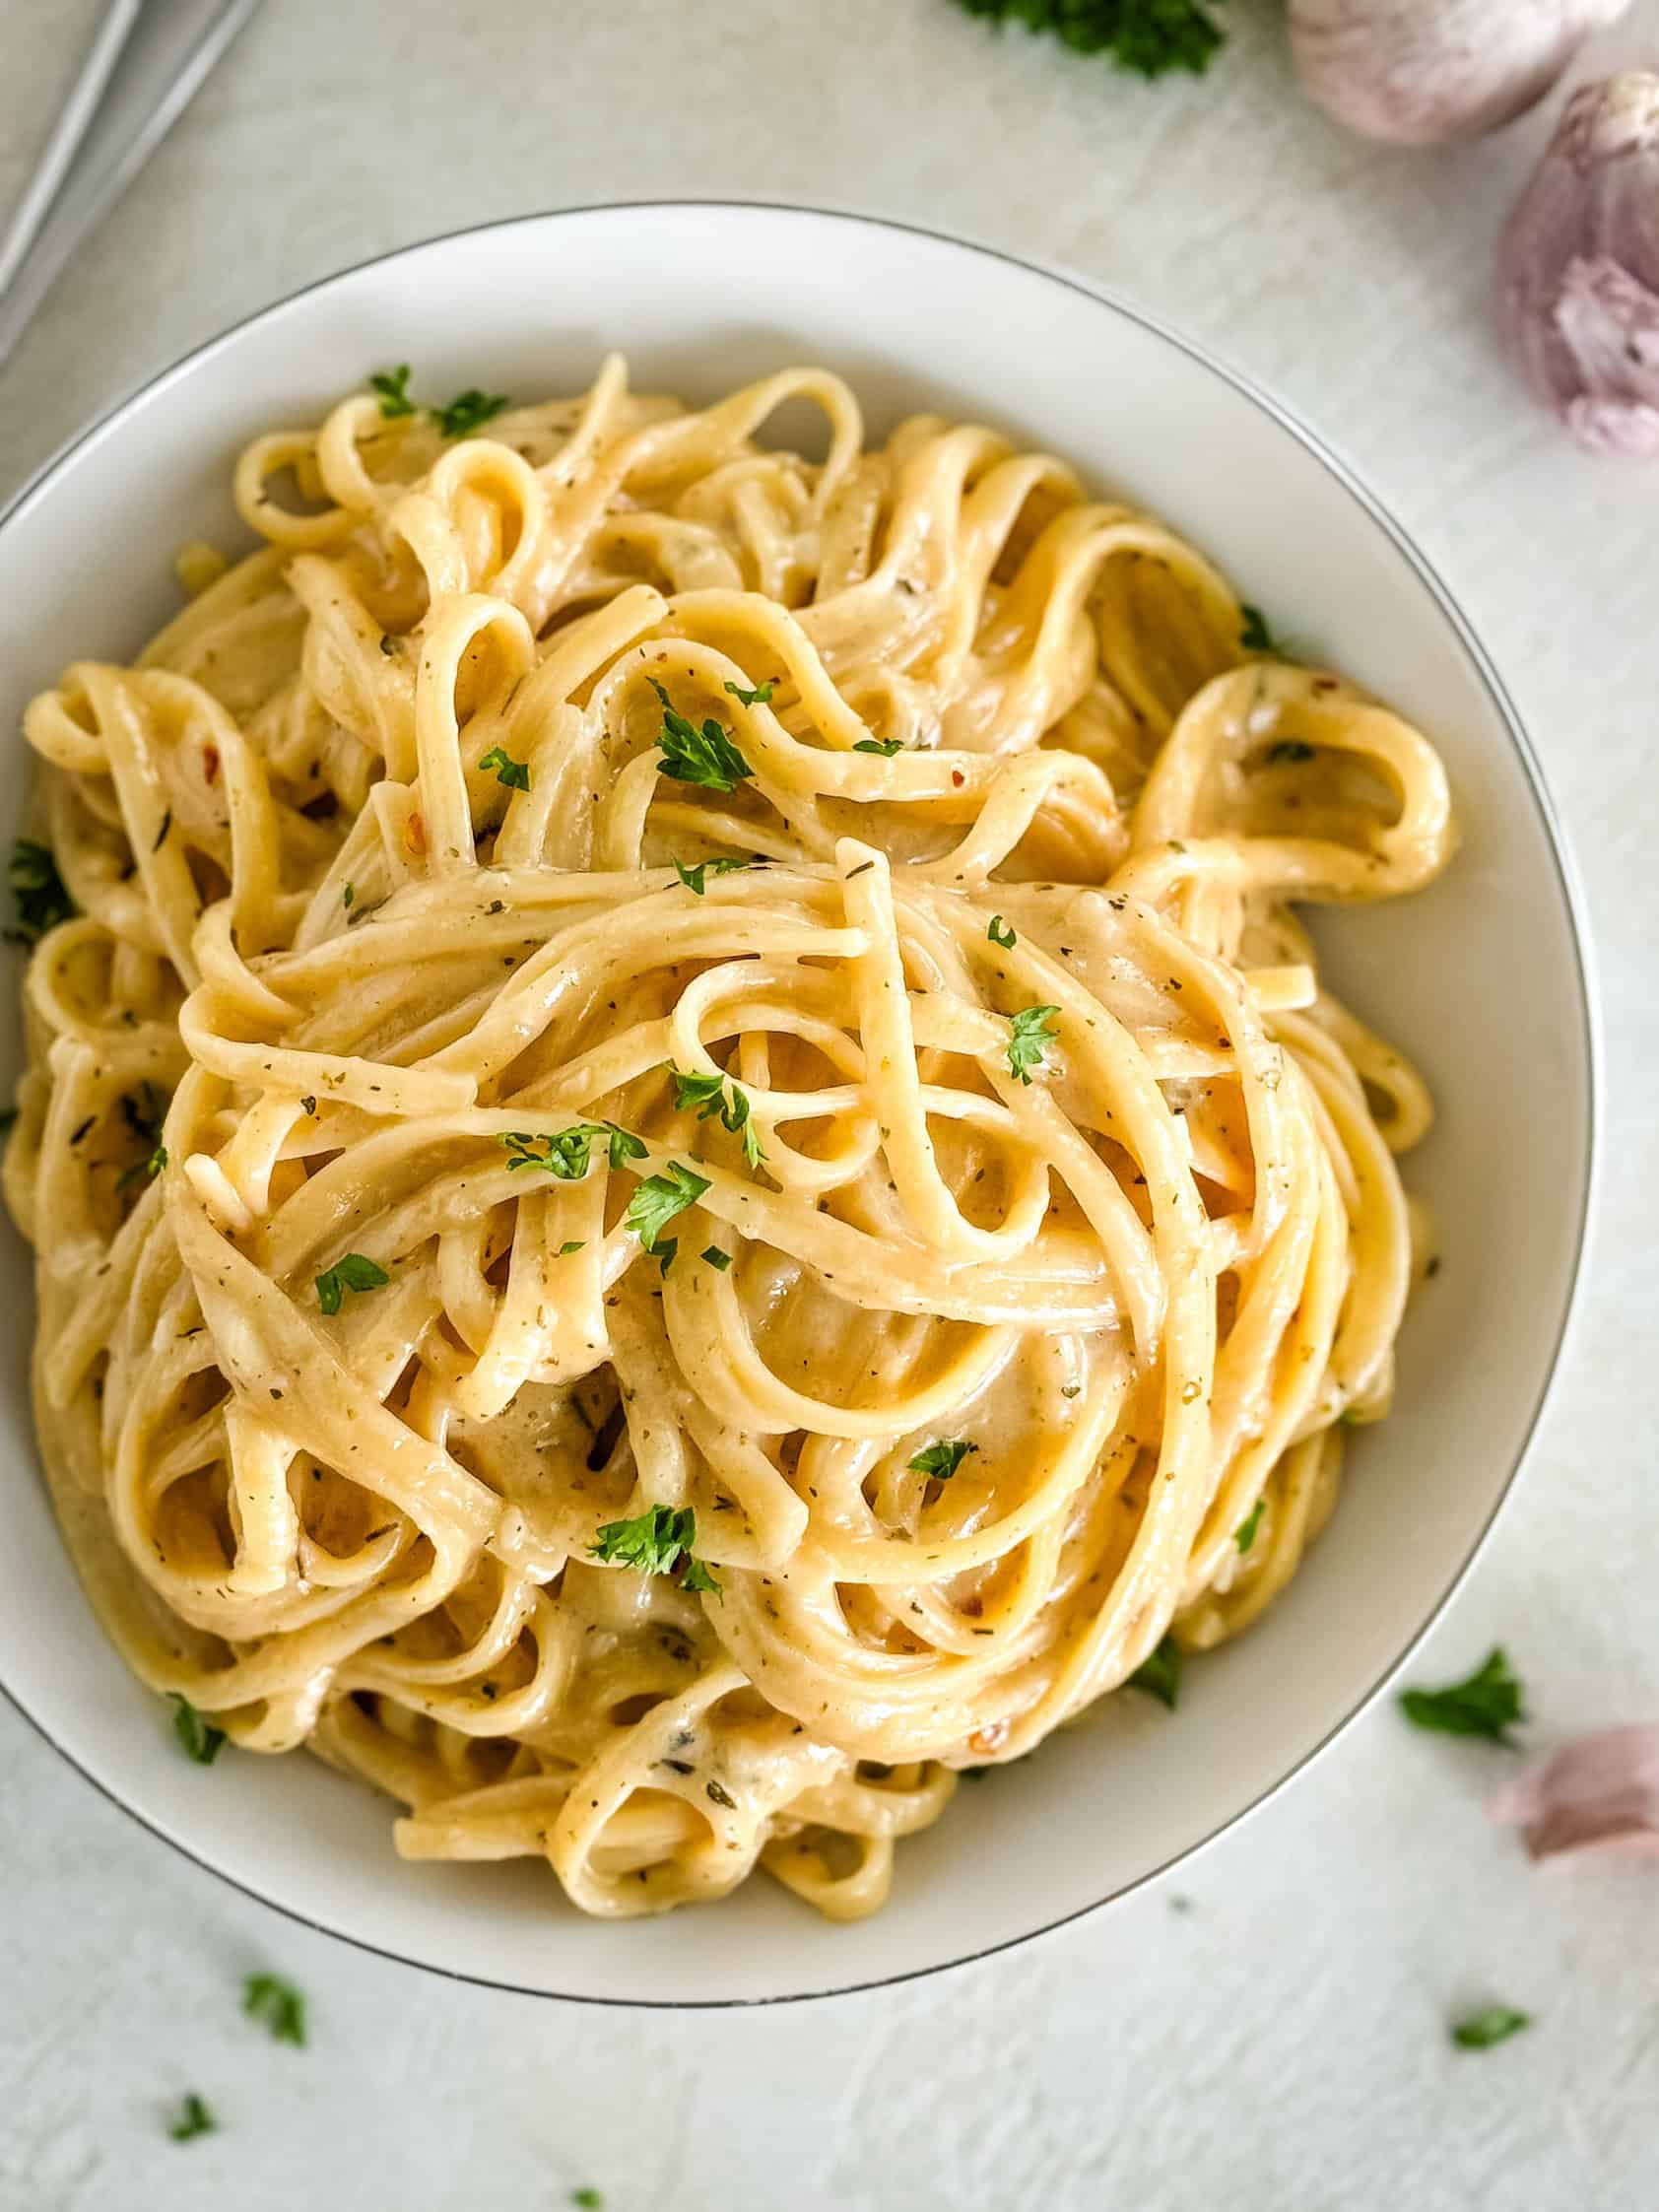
(142, 71)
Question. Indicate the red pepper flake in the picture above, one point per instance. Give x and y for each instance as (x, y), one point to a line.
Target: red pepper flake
(957, 779)
(210, 763)
(415, 834)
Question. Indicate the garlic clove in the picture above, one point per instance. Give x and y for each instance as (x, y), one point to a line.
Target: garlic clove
(1420, 72)
(1578, 269)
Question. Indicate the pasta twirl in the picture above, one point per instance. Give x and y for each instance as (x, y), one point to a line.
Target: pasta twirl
(687, 1170)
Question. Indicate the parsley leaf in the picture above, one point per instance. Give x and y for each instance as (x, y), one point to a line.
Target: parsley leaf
(940, 1460)
(1149, 37)
(195, 2119)
(143, 1170)
(707, 1093)
(653, 1543)
(200, 1738)
(760, 696)
(1160, 1673)
(278, 2003)
(885, 746)
(515, 775)
(1493, 2024)
(660, 1198)
(42, 900)
(392, 386)
(716, 1257)
(705, 756)
(568, 1153)
(1001, 934)
(586, 2199)
(1244, 1535)
(573, 1244)
(1029, 1034)
(1255, 636)
(1290, 750)
(1487, 1705)
(695, 879)
(469, 411)
(353, 1272)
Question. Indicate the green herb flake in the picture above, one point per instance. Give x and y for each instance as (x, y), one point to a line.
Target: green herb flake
(1254, 635)
(1244, 1535)
(469, 411)
(515, 775)
(353, 1272)
(391, 387)
(1029, 1034)
(707, 757)
(575, 1245)
(143, 1170)
(660, 1198)
(696, 879)
(202, 1741)
(760, 696)
(42, 900)
(195, 2119)
(885, 746)
(656, 1542)
(1160, 1674)
(278, 2003)
(1290, 752)
(1000, 934)
(568, 1153)
(708, 1094)
(1488, 1703)
(716, 1257)
(939, 1461)
(346, 896)
(1148, 36)
(1493, 2024)
(588, 2199)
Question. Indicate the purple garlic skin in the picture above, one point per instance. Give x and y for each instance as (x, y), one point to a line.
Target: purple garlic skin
(1578, 269)
(1427, 72)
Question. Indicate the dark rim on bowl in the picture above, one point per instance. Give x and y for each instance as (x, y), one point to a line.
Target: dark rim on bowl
(1560, 858)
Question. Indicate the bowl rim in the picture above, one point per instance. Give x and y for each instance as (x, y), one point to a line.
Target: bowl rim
(1574, 903)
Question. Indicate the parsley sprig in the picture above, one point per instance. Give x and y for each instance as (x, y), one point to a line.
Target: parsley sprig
(1000, 934)
(467, 412)
(1030, 1032)
(696, 879)
(760, 696)
(941, 1460)
(656, 1542)
(1493, 2024)
(278, 2003)
(1148, 36)
(515, 775)
(568, 1153)
(1488, 1703)
(202, 1741)
(194, 2119)
(354, 1271)
(42, 900)
(656, 1202)
(707, 1093)
(885, 746)
(1160, 1674)
(707, 757)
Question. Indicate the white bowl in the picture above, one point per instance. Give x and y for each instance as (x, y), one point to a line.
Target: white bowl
(1483, 979)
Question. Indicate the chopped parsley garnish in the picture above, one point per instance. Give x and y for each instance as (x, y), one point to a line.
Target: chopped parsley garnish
(42, 900)
(760, 696)
(469, 411)
(515, 775)
(588, 2199)
(885, 746)
(1493, 2024)
(1291, 752)
(1160, 1674)
(1000, 934)
(144, 1111)
(143, 1170)
(939, 1461)
(278, 2003)
(716, 1257)
(391, 386)
(660, 1198)
(1255, 636)
(354, 1272)
(696, 879)
(1244, 1535)
(1029, 1034)
(200, 1738)
(309, 1103)
(656, 1542)
(194, 2119)
(568, 1153)
(1149, 37)
(707, 1093)
(346, 896)
(573, 1244)
(705, 756)
(1488, 1703)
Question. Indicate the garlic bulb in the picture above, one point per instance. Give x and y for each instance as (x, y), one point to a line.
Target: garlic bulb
(1420, 71)
(1578, 269)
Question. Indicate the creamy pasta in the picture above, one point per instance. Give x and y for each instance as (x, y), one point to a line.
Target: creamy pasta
(687, 1168)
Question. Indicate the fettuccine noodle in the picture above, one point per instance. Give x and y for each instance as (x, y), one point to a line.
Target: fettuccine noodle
(660, 1366)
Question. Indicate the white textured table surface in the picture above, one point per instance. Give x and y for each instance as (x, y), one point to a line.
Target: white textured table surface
(1283, 2044)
